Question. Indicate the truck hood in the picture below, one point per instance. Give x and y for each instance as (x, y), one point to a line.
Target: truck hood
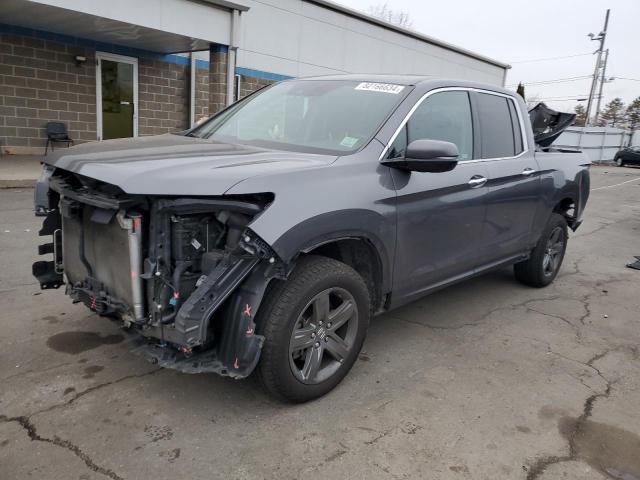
(178, 165)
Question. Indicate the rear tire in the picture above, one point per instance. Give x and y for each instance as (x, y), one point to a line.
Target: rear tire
(314, 325)
(619, 162)
(546, 258)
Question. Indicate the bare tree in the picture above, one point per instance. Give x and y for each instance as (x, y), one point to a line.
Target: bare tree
(386, 13)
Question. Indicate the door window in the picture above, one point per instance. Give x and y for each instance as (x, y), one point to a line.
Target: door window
(517, 131)
(444, 116)
(497, 127)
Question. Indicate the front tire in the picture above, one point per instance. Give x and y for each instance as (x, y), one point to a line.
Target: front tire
(546, 258)
(619, 162)
(314, 325)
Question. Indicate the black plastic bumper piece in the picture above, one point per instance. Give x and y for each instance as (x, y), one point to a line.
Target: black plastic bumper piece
(206, 361)
(45, 273)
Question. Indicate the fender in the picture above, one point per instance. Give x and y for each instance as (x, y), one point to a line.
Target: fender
(557, 187)
(340, 225)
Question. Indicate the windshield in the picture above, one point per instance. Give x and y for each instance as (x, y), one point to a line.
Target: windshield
(311, 116)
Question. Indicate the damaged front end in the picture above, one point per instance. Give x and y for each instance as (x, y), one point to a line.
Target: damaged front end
(187, 273)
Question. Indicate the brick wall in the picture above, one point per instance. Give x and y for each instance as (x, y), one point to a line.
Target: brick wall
(40, 82)
(202, 93)
(163, 97)
(249, 85)
(217, 80)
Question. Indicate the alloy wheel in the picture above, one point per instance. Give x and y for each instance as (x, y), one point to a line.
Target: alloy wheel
(323, 335)
(553, 252)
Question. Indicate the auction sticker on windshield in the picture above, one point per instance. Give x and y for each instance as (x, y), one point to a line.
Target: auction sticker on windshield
(380, 87)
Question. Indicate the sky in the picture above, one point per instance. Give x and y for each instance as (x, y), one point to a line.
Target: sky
(518, 32)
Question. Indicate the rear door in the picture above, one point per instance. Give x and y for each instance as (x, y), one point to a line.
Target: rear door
(440, 215)
(514, 182)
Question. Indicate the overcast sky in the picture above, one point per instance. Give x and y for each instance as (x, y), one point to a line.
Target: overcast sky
(518, 31)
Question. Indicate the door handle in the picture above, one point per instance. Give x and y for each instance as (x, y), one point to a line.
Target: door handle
(528, 171)
(477, 181)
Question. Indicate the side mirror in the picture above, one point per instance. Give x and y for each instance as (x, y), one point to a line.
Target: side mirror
(433, 156)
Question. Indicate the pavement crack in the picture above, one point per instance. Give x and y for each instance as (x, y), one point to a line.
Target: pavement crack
(586, 304)
(434, 327)
(484, 316)
(93, 389)
(20, 374)
(557, 317)
(32, 432)
(539, 467)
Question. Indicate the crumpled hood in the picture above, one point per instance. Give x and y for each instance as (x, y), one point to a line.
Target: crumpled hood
(178, 165)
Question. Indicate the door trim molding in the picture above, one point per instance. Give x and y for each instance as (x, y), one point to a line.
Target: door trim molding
(116, 58)
(525, 139)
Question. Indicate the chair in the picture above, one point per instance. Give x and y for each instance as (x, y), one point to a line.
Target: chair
(57, 133)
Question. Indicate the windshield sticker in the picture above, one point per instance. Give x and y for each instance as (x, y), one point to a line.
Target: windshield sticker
(380, 87)
(348, 142)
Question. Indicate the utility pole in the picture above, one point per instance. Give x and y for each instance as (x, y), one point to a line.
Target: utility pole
(601, 38)
(603, 80)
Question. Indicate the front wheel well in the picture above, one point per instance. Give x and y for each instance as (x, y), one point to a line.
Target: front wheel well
(363, 257)
(567, 208)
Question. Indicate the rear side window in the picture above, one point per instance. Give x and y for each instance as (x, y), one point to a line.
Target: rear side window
(496, 126)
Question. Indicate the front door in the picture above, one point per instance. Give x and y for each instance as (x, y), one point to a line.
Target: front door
(440, 215)
(117, 95)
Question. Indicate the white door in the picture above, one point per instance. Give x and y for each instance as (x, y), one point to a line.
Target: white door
(116, 96)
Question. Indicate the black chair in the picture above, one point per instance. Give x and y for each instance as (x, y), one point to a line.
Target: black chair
(57, 133)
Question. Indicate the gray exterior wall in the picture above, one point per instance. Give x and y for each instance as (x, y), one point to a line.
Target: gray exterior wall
(300, 38)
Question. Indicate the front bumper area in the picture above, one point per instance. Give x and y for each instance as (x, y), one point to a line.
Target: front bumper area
(187, 274)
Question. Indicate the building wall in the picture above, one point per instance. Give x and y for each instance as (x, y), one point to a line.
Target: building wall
(249, 84)
(217, 79)
(163, 97)
(41, 82)
(299, 38)
(277, 39)
(202, 93)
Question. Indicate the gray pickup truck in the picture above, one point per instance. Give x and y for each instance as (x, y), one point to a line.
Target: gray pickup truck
(265, 239)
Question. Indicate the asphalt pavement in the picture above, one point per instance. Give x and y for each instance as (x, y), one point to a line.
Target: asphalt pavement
(487, 379)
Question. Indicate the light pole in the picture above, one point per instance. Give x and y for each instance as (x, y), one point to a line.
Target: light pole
(601, 38)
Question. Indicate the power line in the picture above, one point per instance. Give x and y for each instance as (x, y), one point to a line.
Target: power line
(553, 58)
(631, 79)
(557, 99)
(554, 80)
(564, 97)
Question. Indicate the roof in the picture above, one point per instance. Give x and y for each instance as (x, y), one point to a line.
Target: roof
(411, 33)
(374, 77)
(428, 81)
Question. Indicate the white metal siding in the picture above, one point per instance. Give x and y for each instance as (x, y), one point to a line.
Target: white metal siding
(298, 38)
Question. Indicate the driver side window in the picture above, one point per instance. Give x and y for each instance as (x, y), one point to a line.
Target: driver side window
(442, 116)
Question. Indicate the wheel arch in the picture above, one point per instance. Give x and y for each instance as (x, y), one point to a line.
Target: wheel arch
(349, 236)
(361, 255)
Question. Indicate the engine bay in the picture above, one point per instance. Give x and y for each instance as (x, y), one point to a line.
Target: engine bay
(164, 266)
